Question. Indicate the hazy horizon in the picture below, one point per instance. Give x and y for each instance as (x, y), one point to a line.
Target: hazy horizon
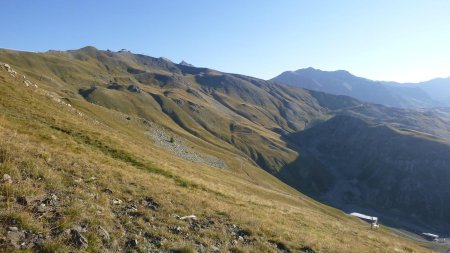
(402, 41)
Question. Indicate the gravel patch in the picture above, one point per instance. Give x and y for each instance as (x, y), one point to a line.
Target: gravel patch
(178, 146)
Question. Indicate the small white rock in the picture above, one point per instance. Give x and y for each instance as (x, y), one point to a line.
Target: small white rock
(189, 217)
(117, 201)
(13, 229)
(7, 179)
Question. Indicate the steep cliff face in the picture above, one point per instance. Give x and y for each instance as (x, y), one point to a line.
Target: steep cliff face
(378, 167)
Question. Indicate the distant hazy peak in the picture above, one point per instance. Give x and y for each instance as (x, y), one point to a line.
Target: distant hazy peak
(309, 69)
(342, 82)
(312, 70)
(186, 64)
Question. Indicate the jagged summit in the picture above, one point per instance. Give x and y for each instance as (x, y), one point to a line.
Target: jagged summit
(186, 64)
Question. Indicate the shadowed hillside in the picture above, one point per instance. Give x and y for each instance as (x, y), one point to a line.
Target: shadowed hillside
(393, 172)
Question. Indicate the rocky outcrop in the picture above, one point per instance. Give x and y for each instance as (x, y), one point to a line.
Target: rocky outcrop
(22, 78)
(7, 68)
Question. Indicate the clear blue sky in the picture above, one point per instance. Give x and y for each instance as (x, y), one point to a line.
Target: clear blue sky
(396, 40)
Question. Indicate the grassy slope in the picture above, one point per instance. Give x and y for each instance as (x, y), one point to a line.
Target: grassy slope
(209, 114)
(48, 147)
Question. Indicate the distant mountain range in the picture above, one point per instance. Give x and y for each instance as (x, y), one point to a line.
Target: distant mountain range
(433, 93)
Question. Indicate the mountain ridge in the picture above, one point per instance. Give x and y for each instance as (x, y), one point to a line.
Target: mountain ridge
(342, 82)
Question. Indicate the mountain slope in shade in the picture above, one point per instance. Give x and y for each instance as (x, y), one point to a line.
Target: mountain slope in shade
(438, 89)
(343, 83)
(363, 165)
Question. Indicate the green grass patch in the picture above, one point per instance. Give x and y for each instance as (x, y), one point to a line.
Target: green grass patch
(123, 156)
(185, 249)
(22, 220)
